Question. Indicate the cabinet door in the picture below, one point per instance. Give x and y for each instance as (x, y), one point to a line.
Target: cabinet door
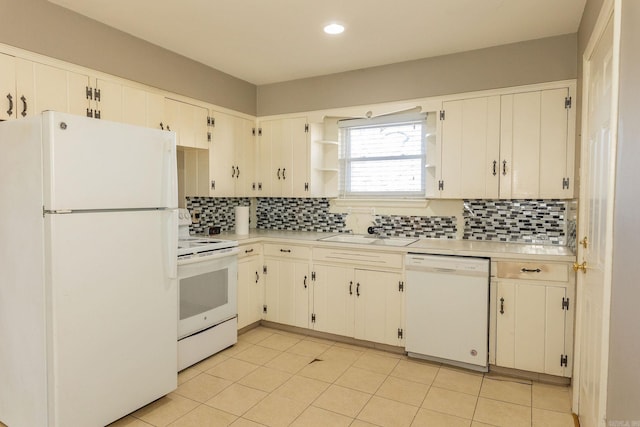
(134, 106)
(221, 156)
(268, 172)
(199, 126)
(470, 148)
(536, 157)
(530, 327)
(8, 99)
(333, 299)
(287, 292)
(79, 101)
(554, 334)
(250, 291)
(51, 89)
(245, 154)
(299, 173)
(378, 306)
(556, 156)
(155, 110)
(110, 103)
(25, 88)
(171, 120)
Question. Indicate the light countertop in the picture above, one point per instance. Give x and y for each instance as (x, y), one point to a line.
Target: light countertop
(489, 249)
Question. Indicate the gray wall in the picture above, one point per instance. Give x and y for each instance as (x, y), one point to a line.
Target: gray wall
(624, 350)
(44, 28)
(535, 61)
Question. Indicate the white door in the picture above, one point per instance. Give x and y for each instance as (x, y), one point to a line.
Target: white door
(596, 204)
(333, 299)
(95, 164)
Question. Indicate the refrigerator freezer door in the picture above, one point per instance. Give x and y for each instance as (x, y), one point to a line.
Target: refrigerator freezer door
(94, 164)
(113, 312)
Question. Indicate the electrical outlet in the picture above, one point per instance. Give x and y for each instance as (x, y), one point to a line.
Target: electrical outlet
(195, 216)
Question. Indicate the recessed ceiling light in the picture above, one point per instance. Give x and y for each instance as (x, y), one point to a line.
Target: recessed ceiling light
(334, 29)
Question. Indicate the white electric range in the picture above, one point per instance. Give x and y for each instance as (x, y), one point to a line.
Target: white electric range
(207, 274)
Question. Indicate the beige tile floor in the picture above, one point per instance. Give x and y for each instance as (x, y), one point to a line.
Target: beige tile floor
(276, 378)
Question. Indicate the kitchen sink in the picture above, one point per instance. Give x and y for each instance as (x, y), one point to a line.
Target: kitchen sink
(366, 240)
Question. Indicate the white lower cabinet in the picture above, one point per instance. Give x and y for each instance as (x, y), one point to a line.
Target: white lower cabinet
(287, 281)
(357, 302)
(534, 317)
(250, 285)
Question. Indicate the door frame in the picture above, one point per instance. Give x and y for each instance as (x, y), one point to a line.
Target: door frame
(609, 8)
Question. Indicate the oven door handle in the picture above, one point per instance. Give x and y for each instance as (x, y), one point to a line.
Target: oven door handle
(221, 254)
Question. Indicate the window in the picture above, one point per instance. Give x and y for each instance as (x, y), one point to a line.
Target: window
(383, 157)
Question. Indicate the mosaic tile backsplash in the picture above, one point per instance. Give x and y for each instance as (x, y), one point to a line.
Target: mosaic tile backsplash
(298, 215)
(522, 221)
(216, 211)
(425, 227)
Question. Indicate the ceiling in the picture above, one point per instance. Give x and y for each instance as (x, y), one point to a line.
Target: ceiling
(267, 41)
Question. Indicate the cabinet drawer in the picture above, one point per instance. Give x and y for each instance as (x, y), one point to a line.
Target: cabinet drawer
(350, 256)
(249, 250)
(287, 251)
(533, 271)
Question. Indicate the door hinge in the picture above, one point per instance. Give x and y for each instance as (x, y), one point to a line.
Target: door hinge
(213, 184)
(259, 186)
(565, 183)
(313, 276)
(564, 359)
(313, 318)
(441, 114)
(565, 303)
(208, 136)
(259, 131)
(264, 269)
(210, 121)
(89, 112)
(253, 186)
(400, 333)
(264, 308)
(88, 92)
(96, 94)
(213, 122)
(96, 114)
(306, 127)
(401, 286)
(253, 131)
(567, 102)
(441, 185)
(306, 186)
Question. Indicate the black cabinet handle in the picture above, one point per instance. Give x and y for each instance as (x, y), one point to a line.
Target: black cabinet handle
(248, 251)
(350, 288)
(285, 250)
(233, 171)
(257, 277)
(305, 282)
(24, 105)
(494, 167)
(283, 175)
(504, 167)
(10, 110)
(278, 173)
(530, 270)
(501, 305)
(161, 126)
(358, 289)
(237, 171)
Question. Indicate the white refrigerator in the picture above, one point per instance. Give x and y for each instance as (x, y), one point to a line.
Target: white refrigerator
(88, 289)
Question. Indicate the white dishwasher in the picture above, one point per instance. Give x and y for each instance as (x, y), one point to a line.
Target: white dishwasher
(447, 309)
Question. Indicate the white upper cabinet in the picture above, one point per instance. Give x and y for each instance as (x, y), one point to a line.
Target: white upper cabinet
(190, 122)
(513, 146)
(231, 156)
(29, 88)
(285, 158)
(470, 148)
(537, 147)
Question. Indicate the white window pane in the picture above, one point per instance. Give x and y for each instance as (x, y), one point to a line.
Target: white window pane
(387, 176)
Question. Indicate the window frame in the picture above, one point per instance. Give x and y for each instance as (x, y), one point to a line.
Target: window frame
(345, 161)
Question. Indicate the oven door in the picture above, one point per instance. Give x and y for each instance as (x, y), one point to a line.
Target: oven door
(208, 291)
